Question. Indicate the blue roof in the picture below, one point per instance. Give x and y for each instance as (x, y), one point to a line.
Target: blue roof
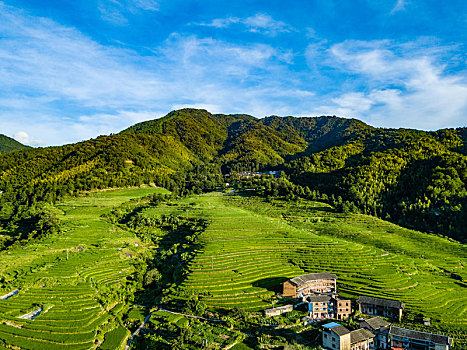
(331, 325)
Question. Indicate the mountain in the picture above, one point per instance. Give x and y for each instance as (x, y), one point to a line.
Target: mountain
(7, 144)
(203, 134)
(411, 177)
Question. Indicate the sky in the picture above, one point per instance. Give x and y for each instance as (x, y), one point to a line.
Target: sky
(72, 70)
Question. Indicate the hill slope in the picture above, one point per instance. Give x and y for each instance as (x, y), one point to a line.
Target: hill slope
(414, 178)
(7, 144)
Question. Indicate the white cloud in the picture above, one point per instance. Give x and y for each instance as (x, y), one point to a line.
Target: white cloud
(118, 11)
(25, 139)
(399, 6)
(221, 22)
(60, 86)
(397, 85)
(259, 23)
(64, 87)
(22, 136)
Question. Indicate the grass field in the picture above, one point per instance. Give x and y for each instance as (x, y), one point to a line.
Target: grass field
(67, 290)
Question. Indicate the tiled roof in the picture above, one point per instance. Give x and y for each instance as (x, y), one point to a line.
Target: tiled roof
(381, 302)
(360, 335)
(301, 280)
(376, 323)
(336, 328)
(318, 298)
(411, 334)
(340, 330)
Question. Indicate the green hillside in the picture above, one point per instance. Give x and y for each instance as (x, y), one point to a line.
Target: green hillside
(410, 177)
(201, 132)
(81, 278)
(7, 144)
(274, 241)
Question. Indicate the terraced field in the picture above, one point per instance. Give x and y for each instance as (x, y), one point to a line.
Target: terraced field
(66, 290)
(251, 246)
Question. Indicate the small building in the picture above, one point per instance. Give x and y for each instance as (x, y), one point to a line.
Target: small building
(337, 337)
(380, 328)
(312, 283)
(380, 307)
(403, 338)
(320, 307)
(361, 339)
(343, 307)
(328, 306)
(278, 310)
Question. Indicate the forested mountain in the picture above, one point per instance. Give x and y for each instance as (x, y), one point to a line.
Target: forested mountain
(7, 144)
(411, 177)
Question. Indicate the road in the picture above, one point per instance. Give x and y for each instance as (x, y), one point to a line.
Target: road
(135, 333)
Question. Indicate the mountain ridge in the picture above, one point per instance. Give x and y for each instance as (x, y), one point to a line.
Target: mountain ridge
(8, 144)
(411, 177)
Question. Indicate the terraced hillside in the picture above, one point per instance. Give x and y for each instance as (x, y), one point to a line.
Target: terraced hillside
(425, 271)
(251, 246)
(76, 299)
(67, 292)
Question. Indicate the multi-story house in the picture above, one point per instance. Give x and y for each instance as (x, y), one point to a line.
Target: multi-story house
(328, 306)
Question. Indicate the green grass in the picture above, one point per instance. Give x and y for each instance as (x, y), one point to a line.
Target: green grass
(115, 339)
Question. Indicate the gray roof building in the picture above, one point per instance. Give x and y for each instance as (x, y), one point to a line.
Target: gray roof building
(410, 335)
(381, 302)
(359, 335)
(303, 279)
(375, 323)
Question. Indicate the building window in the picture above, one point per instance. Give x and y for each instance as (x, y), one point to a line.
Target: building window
(325, 335)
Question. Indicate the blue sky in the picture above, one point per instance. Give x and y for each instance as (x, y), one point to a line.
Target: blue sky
(73, 70)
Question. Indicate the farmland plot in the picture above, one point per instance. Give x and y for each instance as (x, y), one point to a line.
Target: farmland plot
(63, 275)
(251, 246)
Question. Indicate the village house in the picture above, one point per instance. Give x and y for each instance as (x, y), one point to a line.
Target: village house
(380, 307)
(328, 306)
(309, 284)
(343, 307)
(380, 328)
(402, 339)
(337, 337)
(278, 310)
